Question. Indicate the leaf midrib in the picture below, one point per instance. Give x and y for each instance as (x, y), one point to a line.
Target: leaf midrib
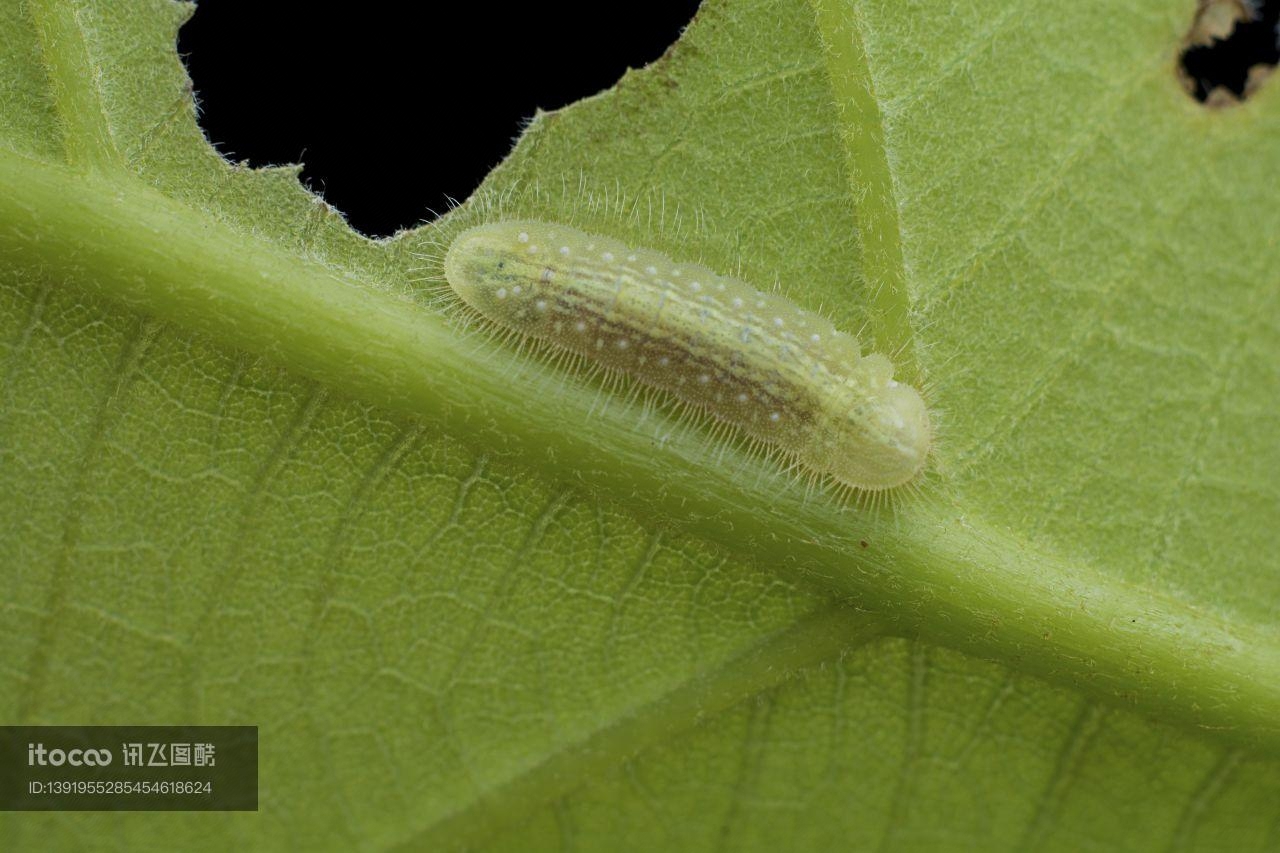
(955, 580)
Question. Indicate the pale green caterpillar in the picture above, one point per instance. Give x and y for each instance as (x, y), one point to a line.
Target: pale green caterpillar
(754, 360)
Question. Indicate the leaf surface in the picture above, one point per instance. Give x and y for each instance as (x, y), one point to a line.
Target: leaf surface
(254, 473)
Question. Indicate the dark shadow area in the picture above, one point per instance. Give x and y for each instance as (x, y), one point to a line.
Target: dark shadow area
(394, 111)
(1232, 46)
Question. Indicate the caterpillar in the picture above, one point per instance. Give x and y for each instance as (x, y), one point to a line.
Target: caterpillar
(753, 360)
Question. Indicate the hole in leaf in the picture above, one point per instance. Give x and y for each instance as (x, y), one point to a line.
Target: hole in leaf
(395, 108)
(1232, 47)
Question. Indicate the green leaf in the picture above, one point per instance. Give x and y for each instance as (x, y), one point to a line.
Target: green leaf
(253, 470)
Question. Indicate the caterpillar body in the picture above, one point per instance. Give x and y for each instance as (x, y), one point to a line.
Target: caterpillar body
(754, 360)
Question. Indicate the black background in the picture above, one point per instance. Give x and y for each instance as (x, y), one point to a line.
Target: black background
(395, 108)
(1227, 63)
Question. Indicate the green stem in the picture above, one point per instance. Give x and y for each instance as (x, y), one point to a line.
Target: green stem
(956, 580)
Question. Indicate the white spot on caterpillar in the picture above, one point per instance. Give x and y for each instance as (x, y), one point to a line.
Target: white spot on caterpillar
(814, 396)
